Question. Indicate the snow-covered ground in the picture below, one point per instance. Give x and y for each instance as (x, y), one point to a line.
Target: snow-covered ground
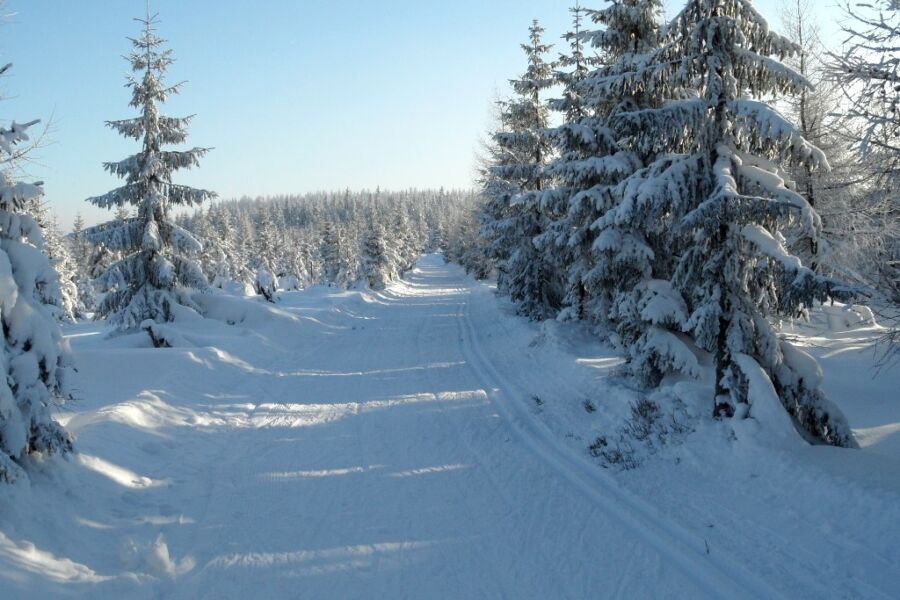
(424, 442)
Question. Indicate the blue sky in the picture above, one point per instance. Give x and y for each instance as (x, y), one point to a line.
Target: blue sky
(294, 95)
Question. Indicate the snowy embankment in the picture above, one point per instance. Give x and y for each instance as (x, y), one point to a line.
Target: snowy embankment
(425, 442)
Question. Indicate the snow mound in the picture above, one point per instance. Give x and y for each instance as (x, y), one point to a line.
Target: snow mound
(160, 564)
(765, 407)
(239, 310)
(154, 559)
(844, 317)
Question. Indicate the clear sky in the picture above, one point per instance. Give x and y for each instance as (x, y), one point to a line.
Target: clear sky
(294, 95)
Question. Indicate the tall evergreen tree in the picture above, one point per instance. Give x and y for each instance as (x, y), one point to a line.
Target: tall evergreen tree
(723, 183)
(378, 262)
(35, 359)
(566, 241)
(516, 182)
(67, 305)
(331, 251)
(497, 193)
(631, 248)
(81, 251)
(266, 256)
(80, 247)
(157, 269)
(57, 250)
(594, 160)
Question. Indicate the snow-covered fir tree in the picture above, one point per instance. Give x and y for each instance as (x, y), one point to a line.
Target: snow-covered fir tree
(514, 183)
(35, 358)
(266, 256)
(631, 254)
(81, 250)
(378, 263)
(497, 194)
(56, 248)
(566, 240)
(212, 257)
(407, 242)
(594, 159)
(721, 177)
(156, 271)
(463, 242)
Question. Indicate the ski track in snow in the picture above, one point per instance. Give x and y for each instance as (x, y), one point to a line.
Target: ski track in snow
(363, 446)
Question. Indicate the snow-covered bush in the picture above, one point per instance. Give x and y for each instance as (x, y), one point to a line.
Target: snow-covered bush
(266, 284)
(649, 427)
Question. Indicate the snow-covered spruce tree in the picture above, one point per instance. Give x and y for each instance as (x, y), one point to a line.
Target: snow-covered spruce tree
(378, 261)
(463, 243)
(212, 257)
(266, 256)
(566, 240)
(79, 246)
(406, 246)
(593, 160)
(156, 272)
(57, 250)
(728, 197)
(523, 149)
(331, 252)
(81, 250)
(631, 248)
(35, 359)
(242, 238)
(224, 226)
(340, 255)
(67, 304)
(307, 260)
(497, 194)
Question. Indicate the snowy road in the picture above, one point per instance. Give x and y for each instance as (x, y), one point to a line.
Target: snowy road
(345, 446)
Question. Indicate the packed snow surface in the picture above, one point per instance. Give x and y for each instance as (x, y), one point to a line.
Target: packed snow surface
(423, 442)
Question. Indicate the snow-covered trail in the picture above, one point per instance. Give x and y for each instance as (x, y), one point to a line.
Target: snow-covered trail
(409, 482)
(349, 445)
(370, 451)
